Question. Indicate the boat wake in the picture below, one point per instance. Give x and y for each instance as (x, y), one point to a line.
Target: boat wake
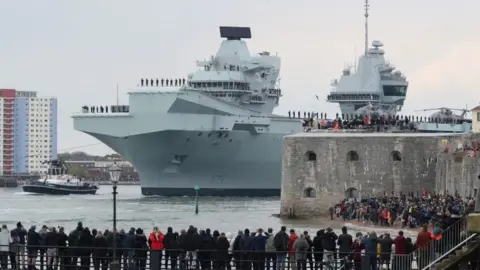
(365, 228)
(25, 193)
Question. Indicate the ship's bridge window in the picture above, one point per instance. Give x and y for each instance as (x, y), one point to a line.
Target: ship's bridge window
(221, 85)
(55, 171)
(394, 90)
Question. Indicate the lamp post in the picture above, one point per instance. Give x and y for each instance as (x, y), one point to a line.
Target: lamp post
(197, 188)
(115, 172)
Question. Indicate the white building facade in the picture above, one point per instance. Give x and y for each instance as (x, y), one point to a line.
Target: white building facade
(29, 131)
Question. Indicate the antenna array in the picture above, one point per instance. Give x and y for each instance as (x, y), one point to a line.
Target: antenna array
(366, 26)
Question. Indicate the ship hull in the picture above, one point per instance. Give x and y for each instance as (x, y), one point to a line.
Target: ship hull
(233, 163)
(51, 190)
(212, 192)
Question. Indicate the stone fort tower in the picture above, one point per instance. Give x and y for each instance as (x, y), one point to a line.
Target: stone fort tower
(321, 168)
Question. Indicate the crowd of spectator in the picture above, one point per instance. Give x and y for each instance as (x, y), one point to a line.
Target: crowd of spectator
(53, 248)
(408, 210)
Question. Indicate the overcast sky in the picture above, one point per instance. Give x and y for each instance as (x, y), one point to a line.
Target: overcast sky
(79, 50)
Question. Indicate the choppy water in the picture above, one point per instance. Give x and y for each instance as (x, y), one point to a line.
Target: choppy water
(135, 210)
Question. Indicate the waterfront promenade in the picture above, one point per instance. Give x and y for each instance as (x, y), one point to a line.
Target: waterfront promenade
(229, 215)
(53, 248)
(191, 249)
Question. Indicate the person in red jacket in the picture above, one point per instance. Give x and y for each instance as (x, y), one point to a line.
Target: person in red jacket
(400, 243)
(422, 245)
(291, 250)
(156, 248)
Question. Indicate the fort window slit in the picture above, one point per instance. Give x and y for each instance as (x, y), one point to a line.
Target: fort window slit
(311, 156)
(309, 193)
(396, 156)
(352, 156)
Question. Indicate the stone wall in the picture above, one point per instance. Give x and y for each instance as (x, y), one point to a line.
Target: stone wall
(458, 174)
(320, 169)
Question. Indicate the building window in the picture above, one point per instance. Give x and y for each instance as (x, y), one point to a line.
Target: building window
(478, 116)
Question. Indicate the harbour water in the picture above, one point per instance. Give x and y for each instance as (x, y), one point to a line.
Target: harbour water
(135, 210)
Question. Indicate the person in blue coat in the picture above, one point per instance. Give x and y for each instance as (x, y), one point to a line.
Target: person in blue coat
(247, 247)
(260, 242)
(370, 243)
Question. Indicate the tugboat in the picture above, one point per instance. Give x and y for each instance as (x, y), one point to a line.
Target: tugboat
(57, 181)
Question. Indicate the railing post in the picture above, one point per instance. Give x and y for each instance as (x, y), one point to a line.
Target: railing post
(154, 260)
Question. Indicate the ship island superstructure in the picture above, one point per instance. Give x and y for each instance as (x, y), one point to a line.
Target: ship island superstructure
(374, 81)
(214, 130)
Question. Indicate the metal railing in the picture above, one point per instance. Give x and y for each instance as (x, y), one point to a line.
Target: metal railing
(448, 253)
(436, 249)
(81, 258)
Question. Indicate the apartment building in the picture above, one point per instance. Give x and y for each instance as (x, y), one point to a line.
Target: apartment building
(28, 126)
(476, 120)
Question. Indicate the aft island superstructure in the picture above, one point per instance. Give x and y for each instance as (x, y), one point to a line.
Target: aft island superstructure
(214, 130)
(374, 82)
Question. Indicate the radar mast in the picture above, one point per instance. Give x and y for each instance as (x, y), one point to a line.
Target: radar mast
(366, 26)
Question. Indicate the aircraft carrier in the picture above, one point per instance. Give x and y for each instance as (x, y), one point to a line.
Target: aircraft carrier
(215, 129)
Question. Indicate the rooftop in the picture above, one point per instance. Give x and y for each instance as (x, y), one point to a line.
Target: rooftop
(476, 108)
(359, 134)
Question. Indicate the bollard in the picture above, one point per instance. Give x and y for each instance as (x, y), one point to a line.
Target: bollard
(197, 188)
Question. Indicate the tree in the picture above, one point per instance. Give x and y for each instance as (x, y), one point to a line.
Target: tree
(78, 171)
